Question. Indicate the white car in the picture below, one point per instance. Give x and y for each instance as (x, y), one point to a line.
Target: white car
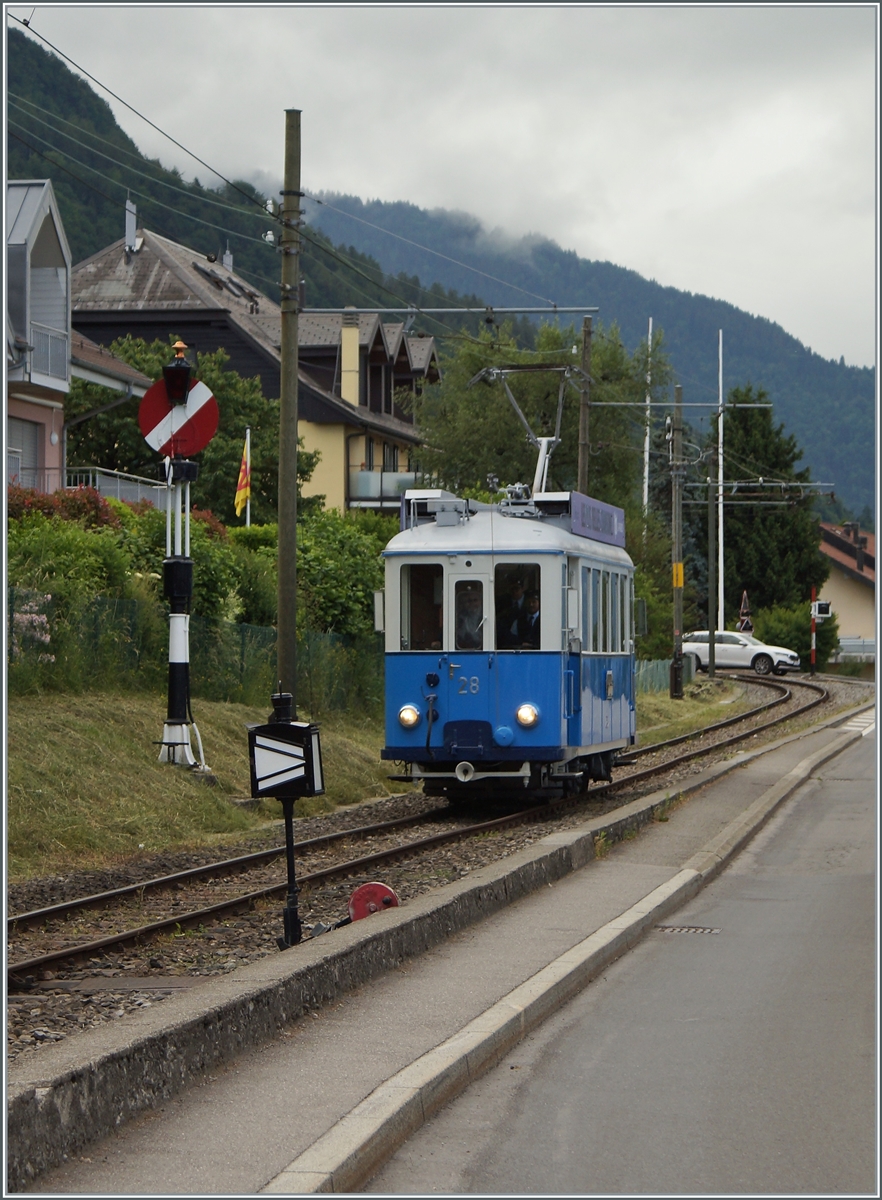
(740, 650)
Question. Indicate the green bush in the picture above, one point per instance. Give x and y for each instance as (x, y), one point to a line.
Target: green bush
(86, 604)
(255, 537)
(94, 642)
(338, 572)
(215, 570)
(255, 551)
(791, 627)
(65, 560)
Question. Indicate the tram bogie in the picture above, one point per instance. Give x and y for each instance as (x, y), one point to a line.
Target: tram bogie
(509, 643)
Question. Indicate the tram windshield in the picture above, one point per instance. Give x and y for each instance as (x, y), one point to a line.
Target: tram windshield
(517, 606)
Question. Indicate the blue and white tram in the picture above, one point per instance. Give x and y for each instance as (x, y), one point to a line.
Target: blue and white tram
(509, 643)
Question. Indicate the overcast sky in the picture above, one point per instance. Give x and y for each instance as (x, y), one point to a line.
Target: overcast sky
(730, 151)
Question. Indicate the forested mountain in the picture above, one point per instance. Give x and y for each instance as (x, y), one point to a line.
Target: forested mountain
(60, 128)
(828, 406)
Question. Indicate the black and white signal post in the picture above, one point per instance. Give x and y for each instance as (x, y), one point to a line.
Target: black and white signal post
(178, 417)
(286, 762)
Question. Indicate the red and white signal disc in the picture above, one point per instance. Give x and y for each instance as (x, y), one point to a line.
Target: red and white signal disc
(178, 429)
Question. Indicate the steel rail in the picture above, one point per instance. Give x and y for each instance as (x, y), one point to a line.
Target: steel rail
(227, 866)
(15, 971)
(231, 906)
(784, 696)
(699, 752)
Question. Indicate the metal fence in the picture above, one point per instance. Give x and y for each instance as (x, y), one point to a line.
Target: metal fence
(856, 650)
(654, 675)
(106, 642)
(119, 485)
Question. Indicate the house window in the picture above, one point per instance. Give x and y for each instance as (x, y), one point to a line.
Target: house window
(390, 457)
(369, 454)
(22, 451)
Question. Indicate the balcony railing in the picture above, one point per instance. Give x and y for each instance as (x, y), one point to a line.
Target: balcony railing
(50, 355)
(118, 484)
(379, 489)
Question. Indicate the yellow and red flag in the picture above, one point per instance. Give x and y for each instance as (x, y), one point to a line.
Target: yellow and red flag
(243, 487)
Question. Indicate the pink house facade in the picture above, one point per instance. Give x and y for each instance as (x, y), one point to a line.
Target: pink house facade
(37, 335)
(43, 353)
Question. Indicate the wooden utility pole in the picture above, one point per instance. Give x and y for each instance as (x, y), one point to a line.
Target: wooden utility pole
(585, 409)
(677, 542)
(290, 251)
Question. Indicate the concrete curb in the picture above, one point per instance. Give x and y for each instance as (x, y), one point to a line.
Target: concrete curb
(81, 1089)
(348, 1155)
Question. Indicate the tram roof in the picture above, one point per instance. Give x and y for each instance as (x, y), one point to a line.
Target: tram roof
(468, 527)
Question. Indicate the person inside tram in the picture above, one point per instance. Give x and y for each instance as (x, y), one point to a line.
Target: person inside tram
(511, 608)
(527, 625)
(469, 619)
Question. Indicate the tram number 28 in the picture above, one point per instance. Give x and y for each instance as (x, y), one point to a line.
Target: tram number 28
(472, 685)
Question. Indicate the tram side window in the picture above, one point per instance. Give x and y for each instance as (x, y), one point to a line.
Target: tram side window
(422, 608)
(596, 630)
(615, 641)
(605, 639)
(514, 586)
(586, 609)
(623, 613)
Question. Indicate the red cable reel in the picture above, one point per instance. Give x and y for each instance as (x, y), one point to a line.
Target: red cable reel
(371, 898)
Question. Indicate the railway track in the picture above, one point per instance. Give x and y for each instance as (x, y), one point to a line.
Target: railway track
(58, 925)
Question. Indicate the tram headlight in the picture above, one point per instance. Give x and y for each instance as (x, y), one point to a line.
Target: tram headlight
(528, 715)
(409, 716)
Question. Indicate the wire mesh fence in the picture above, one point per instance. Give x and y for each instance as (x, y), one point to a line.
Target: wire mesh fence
(114, 642)
(654, 675)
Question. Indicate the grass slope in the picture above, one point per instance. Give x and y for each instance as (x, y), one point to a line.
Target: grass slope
(86, 788)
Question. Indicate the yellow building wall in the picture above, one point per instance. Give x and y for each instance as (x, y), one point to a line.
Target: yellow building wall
(853, 603)
(329, 477)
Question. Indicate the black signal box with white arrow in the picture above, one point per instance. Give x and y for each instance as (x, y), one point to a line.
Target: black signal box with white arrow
(286, 762)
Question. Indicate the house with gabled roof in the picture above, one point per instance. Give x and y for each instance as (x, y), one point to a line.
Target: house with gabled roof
(353, 369)
(851, 585)
(42, 353)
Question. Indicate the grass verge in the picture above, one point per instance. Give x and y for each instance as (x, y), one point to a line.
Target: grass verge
(86, 789)
(704, 702)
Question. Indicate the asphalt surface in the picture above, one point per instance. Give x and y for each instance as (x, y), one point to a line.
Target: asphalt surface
(247, 1122)
(737, 1062)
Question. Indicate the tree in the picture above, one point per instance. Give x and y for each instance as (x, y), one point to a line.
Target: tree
(113, 439)
(771, 550)
(472, 433)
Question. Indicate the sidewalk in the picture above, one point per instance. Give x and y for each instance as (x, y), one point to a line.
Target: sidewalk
(271, 1117)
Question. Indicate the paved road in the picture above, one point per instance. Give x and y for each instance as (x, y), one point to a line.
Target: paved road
(739, 1062)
